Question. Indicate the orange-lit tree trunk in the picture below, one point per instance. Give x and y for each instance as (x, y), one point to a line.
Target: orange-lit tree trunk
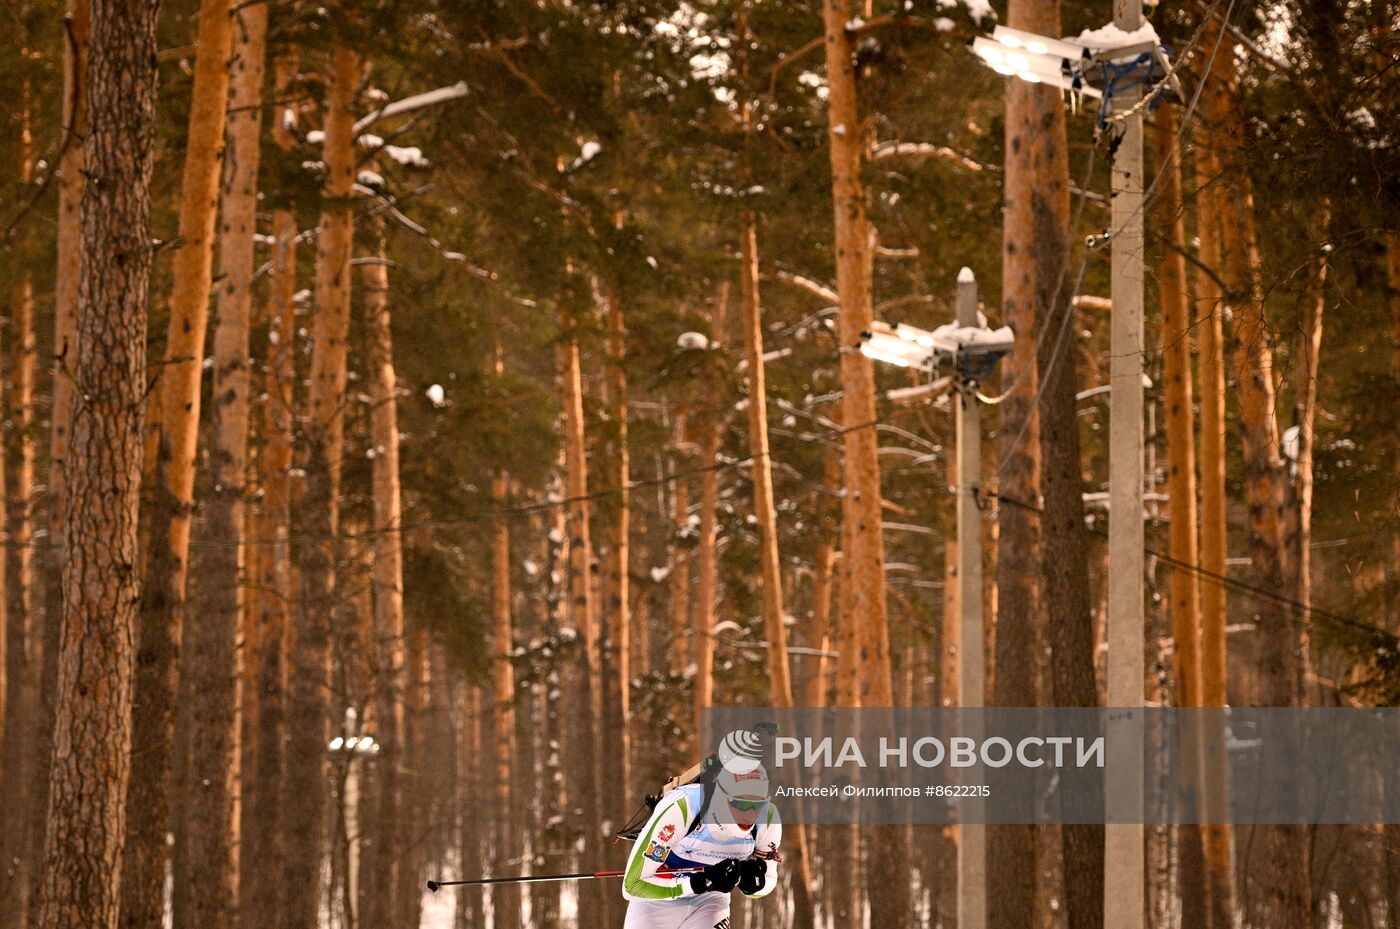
(18, 671)
(1390, 833)
(842, 844)
(1065, 594)
(1298, 521)
(621, 765)
(71, 181)
(1252, 361)
(779, 672)
(546, 899)
(583, 613)
(865, 551)
(419, 685)
(1287, 894)
(471, 835)
(82, 864)
(823, 581)
(170, 455)
(69, 239)
(862, 466)
(382, 864)
(308, 710)
(1184, 591)
(619, 590)
(261, 787)
(706, 563)
(505, 899)
(824, 571)
(206, 862)
(679, 578)
(1219, 855)
(1011, 849)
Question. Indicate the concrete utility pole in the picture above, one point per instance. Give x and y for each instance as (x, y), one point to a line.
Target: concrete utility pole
(972, 836)
(974, 354)
(1124, 865)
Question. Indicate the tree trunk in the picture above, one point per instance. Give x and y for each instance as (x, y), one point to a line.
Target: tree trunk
(417, 788)
(505, 900)
(779, 674)
(679, 578)
(19, 451)
(386, 849)
(842, 843)
(261, 788)
(1219, 855)
(619, 597)
(1298, 517)
(308, 711)
(470, 911)
(91, 755)
(207, 861)
(71, 181)
(18, 672)
(866, 552)
(545, 902)
(862, 466)
(170, 452)
(1066, 596)
(706, 564)
(823, 635)
(584, 616)
(1278, 627)
(1390, 832)
(1184, 593)
(1011, 871)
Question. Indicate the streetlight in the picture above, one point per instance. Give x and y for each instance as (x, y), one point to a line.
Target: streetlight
(349, 748)
(1087, 65)
(971, 350)
(1114, 63)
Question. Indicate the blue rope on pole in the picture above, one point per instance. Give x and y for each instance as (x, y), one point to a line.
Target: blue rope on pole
(1113, 74)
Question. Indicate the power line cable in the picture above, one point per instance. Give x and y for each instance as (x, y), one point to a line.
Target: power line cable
(1234, 583)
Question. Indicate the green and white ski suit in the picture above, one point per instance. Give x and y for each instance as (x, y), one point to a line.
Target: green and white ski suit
(668, 843)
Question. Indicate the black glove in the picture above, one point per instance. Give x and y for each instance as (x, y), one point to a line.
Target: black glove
(719, 877)
(753, 874)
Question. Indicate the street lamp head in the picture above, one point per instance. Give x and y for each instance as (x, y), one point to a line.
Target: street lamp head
(1032, 58)
(880, 343)
(1095, 62)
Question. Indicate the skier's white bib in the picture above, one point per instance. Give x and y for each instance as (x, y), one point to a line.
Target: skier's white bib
(705, 845)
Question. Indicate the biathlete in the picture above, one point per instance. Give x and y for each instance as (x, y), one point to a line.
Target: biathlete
(722, 832)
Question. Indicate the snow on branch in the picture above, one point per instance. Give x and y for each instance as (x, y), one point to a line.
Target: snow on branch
(1091, 302)
(416, 102)
(885, 150)
(806, 283)
(389, 208)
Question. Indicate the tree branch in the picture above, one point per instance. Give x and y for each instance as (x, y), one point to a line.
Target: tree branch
(1226, 291)
(891, 149)
(788, 59)
(813, 287)
(416, 102)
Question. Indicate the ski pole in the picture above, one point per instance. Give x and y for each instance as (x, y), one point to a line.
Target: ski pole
(533, 879)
